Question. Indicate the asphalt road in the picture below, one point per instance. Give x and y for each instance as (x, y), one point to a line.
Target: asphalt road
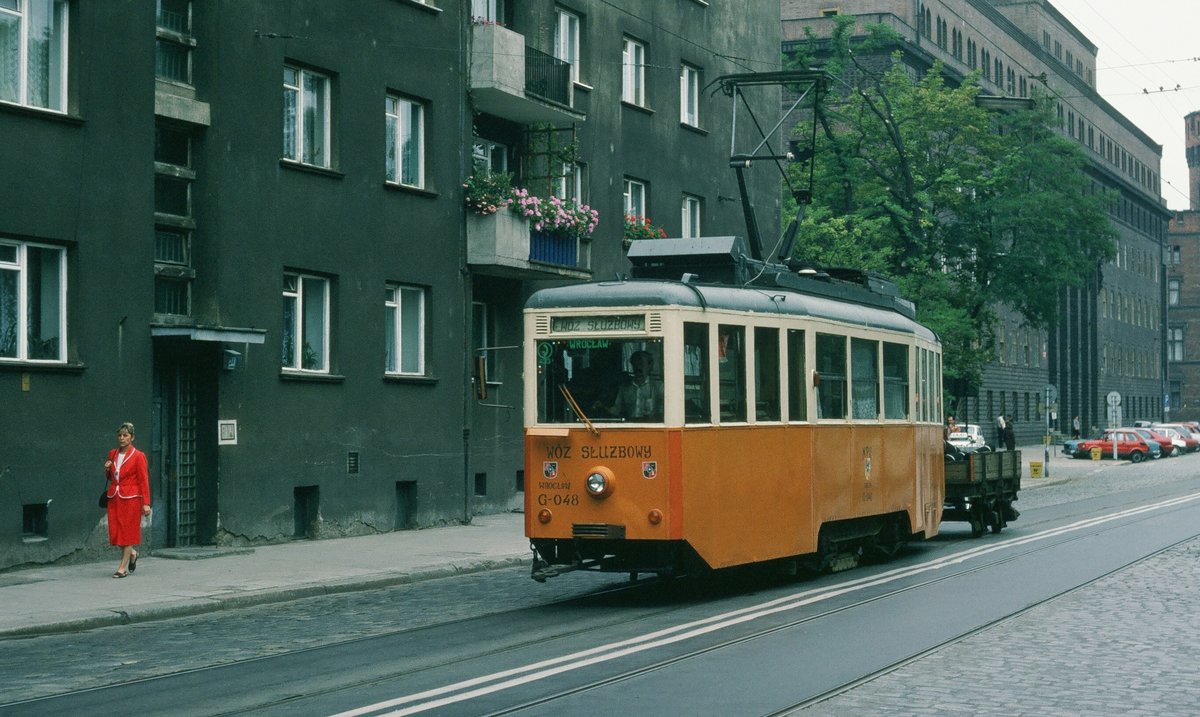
(750, 643)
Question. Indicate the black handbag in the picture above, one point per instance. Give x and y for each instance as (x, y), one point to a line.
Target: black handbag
(104, 498)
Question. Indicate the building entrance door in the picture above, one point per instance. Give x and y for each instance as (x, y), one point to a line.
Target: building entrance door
(178, 460)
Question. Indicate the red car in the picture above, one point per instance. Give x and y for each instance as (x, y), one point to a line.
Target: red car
(1149, 434)
(1129, 445)
(1193, 444)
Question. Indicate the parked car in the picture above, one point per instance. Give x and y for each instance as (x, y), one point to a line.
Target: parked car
(1129, 445)
(1154, 438)
(1071, 447)
(969, 439)
(1191, 442)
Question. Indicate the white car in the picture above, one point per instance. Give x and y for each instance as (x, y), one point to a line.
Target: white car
(969, 439)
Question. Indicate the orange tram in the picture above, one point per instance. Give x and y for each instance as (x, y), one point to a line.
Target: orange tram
(675, 425)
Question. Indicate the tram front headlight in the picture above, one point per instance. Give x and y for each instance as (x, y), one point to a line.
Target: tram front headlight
(599, 482)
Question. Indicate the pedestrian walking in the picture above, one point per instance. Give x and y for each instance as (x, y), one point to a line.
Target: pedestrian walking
(1075, 425)
(1010, 434)
(1000, 431)
(128, 491)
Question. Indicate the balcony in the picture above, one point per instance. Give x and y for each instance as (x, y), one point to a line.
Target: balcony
(516, 82)
(502, 244)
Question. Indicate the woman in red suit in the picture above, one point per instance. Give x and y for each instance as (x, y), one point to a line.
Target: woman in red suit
(128, 497)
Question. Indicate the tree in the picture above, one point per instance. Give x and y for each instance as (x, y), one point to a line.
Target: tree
(964, 208)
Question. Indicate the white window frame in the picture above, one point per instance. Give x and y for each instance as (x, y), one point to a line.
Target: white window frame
(298, 126)
(401, 358)
(489, 157)
(16, 90)
(635, 197)
(402, 113)
(566, 41)
(570, 184)
(296, 293)
(633, 72)
(483, 11)
(690, 211)
(14, 259)
(1174, 287)
(689, 95)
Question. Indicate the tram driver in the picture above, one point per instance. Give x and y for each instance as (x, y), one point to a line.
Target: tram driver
(640, 396)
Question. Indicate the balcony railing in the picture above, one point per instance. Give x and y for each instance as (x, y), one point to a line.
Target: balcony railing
(547, 77)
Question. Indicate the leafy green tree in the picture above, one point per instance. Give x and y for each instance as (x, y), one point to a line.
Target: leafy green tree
(964, 208)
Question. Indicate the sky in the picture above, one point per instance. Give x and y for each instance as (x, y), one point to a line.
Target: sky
(1142, 46)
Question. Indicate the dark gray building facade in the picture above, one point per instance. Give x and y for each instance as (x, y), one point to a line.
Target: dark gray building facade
(242, 227)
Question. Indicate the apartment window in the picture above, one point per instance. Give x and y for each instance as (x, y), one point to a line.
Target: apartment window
(1175, 255)
(1175, 343)
(405, 142)
(690, 224)
(305, 116)
(485, 10)
(33, 53)
(488, 156)
(635, 198)
(633, 73)
(174, 42)
(33, 299)
(566, 41)
(1173, 286)
(405, 330)
(305, 323)
(570, 183)
(689, 96)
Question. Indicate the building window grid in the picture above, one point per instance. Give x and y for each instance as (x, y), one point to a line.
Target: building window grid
(405, 125)
(33, 53)
(633, 72)
(635, 198)
(305, 344)
(306, 116)
(33, 300)
(173, 45)
(690, 210)
(404, 307)
(689, 95)
(566, 41)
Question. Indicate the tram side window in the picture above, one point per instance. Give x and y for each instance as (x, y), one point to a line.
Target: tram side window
(695, 374)
(831, 367)
(731, 372)
(797, 376)
(895, 381)
(864, 377)
(924, 390)
(766, 374)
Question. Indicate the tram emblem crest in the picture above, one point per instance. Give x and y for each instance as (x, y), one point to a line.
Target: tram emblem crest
(649, 469)
(550, 470)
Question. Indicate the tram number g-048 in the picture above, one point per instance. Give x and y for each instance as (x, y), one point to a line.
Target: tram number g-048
(675, 427)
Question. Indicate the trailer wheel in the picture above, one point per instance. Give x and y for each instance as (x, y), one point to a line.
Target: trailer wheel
(976, 523)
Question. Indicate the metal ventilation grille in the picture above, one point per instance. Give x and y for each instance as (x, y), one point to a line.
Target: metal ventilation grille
(597, 530)
(352, 463)
(541, 326)
(654, 322)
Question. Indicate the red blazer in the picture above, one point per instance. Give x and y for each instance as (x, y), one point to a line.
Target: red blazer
(135, 476)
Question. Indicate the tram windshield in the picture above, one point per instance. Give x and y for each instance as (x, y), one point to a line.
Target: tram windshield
(605, 379)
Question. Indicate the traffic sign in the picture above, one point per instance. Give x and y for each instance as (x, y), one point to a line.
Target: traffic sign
(1113, 398)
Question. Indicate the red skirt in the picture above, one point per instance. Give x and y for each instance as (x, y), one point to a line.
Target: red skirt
(124, 521)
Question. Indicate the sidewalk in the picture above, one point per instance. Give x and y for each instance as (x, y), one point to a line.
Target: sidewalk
(189, 581)
(172, 582)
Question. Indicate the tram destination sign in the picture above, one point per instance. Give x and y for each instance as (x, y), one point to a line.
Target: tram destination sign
(597, 324)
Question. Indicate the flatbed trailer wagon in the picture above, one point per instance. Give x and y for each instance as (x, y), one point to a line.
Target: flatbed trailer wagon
(981, 489)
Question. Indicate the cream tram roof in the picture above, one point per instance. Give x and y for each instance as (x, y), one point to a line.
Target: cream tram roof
(760, 300)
